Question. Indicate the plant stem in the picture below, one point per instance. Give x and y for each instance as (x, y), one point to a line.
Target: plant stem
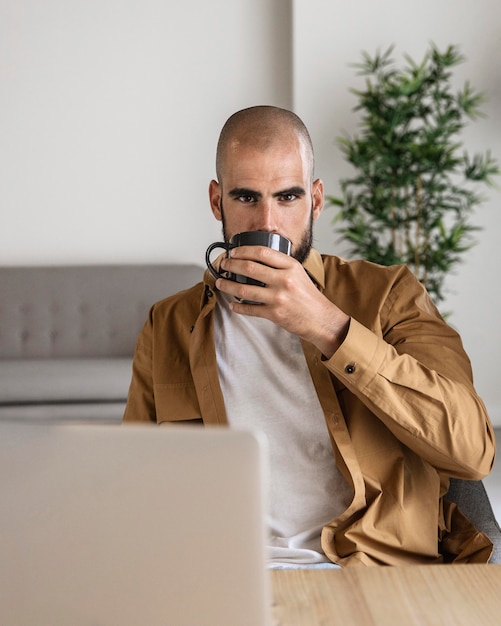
(419, 217)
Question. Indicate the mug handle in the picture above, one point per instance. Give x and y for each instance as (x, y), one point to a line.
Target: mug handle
(213, 246)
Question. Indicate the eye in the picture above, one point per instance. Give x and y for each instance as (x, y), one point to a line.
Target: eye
(246, 198)
(288, 197)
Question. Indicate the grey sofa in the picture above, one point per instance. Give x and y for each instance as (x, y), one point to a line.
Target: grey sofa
(67, 336)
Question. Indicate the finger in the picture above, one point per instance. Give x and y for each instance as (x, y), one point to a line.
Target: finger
(249, 269)
(263, 255)
(251, 310)
(242, 291)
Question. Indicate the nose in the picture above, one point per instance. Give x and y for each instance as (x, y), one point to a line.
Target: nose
(264, 218)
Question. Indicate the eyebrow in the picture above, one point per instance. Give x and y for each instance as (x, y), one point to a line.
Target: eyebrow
(243, 191)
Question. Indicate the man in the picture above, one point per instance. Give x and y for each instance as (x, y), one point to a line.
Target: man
(364, 393)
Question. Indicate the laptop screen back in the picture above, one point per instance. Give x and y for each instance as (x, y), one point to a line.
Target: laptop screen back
(131, 525)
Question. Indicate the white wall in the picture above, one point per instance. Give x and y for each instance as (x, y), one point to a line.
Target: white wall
(109, 116)
(327, 38)
(110, 111)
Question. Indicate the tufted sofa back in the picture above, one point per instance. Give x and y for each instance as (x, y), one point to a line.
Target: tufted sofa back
(82, 311)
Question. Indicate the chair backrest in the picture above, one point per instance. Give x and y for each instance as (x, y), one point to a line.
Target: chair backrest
(471, 497)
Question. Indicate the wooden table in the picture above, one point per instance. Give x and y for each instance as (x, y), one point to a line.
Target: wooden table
(448, 595)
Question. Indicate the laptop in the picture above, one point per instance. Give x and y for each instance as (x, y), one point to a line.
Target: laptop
(131, 526)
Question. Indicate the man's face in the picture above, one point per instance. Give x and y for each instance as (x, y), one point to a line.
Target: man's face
(268, 190)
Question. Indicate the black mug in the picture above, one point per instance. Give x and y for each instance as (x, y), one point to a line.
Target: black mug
(248, 238)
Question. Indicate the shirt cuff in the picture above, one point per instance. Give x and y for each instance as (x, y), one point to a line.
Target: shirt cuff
(358, 359)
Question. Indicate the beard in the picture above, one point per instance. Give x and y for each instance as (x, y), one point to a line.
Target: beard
(300, 251)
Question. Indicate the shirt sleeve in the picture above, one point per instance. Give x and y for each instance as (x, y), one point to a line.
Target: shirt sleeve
(140, 401)
(416, 378)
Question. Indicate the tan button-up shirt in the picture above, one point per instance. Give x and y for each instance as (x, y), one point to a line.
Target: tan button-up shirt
(397, 396)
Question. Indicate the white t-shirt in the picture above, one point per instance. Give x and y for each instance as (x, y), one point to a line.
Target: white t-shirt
(267, 385)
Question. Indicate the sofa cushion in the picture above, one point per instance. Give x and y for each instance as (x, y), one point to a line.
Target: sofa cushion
(83, 412)
(31, 381)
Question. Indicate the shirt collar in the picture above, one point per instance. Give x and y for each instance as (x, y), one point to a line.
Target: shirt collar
(315, 268)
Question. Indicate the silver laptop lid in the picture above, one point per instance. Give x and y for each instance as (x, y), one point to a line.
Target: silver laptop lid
(130, 525)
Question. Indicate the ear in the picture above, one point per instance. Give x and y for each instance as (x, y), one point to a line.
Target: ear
(317, 194)
(215, 199)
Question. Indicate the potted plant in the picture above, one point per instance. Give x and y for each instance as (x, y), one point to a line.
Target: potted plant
(414, 190)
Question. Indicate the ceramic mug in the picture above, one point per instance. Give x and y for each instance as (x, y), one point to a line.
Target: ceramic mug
(248, 238)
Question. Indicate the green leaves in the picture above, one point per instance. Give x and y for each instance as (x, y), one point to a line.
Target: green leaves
(413, 193)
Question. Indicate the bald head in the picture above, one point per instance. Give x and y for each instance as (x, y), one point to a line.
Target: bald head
(262, 127)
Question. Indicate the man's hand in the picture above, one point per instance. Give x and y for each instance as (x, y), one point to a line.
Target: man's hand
(290, 298)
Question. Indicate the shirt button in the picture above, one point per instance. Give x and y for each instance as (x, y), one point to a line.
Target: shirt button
(350, 368)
